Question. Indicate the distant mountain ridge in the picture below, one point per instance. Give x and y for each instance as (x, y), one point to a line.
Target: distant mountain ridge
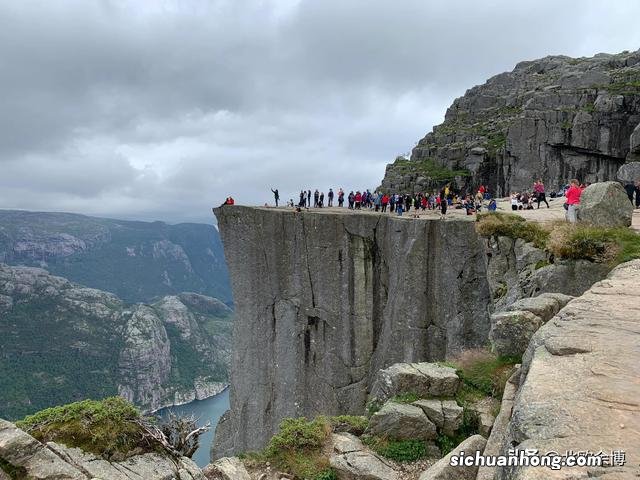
(136, 261)
(62, 342)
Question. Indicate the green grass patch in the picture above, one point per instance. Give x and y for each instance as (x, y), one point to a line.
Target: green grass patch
(541, 264)
(349, 423)
(298, 448)
(408, 397)
(429, 168)
(15, 473)
(599, 244)
(397, 450)
(107, 427)
(469, 427)
(512, 226)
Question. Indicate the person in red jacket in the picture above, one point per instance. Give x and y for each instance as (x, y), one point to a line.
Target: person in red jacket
(385, 202)
(358, 200)
(573, 200)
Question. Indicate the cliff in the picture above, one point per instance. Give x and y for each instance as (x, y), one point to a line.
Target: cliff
(579, 387)
(325, 300)
(62, 342)
(554, 118)
(137, 261)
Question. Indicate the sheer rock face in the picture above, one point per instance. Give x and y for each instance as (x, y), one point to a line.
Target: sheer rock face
(325, 300)
(554, 118)
(77, 342)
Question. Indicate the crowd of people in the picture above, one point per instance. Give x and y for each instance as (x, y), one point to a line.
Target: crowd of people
(442, 200)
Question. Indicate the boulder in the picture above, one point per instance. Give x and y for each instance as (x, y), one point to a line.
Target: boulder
(511, 331)
(346, 443)
(432, 408)
(453, 414)
(423, 379)
(544, 306)
(605, 204)
(634, 140)
(227, 468)
(402, 422)
(443, 470)
(362, 466)
(629, 172)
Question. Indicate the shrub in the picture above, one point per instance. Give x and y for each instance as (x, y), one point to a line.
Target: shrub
(109, 428)
(397, 450)
(599, 244)
(485, 371)
(349, 423)
(298, 448)
(512, 226)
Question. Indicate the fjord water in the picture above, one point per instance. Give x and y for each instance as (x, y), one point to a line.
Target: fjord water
(209, 410)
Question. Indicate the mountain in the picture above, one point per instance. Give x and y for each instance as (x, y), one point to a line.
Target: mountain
(62, 342)
(554, 118)
(137, 261)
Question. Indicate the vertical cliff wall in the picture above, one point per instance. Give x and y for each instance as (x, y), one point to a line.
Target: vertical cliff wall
(324, 300)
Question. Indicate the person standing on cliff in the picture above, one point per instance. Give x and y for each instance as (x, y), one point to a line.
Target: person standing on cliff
(340, 197)
(276, 195)
(330, 196)
(573, 200)
(316, 198)
(308, 198)
(539, 192)
(443, 200)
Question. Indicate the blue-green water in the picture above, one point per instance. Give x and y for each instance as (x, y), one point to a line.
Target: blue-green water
(209, 410)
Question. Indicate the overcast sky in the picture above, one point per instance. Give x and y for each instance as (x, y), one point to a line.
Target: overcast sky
(159, 109)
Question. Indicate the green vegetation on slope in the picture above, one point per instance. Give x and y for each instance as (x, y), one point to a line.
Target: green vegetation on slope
(397, 450)
(429, 168)
(137, 261)
(109, 428)
(574, 241)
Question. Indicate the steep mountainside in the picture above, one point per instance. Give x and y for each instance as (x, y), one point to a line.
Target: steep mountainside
(137, 261)
(554, 118)
(332, 299)
(61, 342)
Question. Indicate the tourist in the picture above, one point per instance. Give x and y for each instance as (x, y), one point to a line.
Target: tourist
(638, 194)
(276, 195)
(321, 201)
(443, 200)
(358, 199)
(303, 199)
(493, 206)
(514, 202)
(630, 188)
(309, 199)
(352, 200)
(340, 198)
(384, 201)
(573, 200)
(228, 201)
(316, 198)
(330, 195)
(539, 192)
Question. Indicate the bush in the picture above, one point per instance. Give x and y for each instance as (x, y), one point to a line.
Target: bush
(408, 397)
(397, 450)
(599, 244)
(349, 423)
(298, 448)
(485, 371)
(512, 226)
(109, 428)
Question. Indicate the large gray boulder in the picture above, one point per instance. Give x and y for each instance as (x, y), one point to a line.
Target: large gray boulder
(227, 468)
(629, 172)
(544, 306)
(579, 387)
(605, 204)
(443, 470)
(56, 462)
(511, 331)
(362, 465)
(446, 415)
(423, 379)
(402, 422)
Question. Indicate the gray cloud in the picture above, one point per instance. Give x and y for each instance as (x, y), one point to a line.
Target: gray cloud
(161, 109)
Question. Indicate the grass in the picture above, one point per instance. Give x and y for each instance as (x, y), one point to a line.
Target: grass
(398, 450)
(349, 423)
(298, 448)
(485, 371)
(512, 226)
(429, 168)
(14, 473)
(573, 241)
(607, 245)
(408, 397)
(106, 428)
